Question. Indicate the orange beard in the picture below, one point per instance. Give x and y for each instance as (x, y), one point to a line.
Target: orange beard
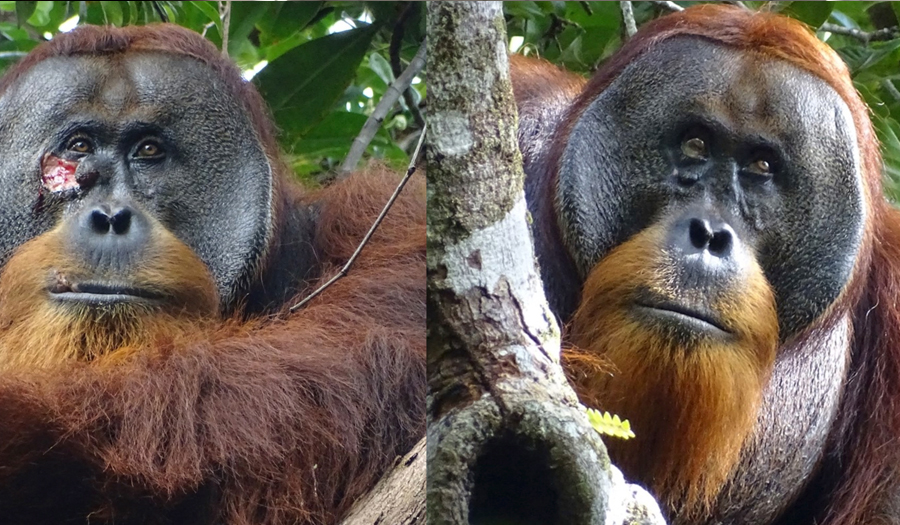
(692, 398)
(37, 331)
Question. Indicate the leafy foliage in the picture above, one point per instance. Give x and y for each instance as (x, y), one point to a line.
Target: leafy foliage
(580, 35)
(322, 66)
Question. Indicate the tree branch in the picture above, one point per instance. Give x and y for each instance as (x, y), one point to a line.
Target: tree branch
(628, 19)
(361, 142)
(880, 35)
(225, 15)
(670, 6)
(399, 498)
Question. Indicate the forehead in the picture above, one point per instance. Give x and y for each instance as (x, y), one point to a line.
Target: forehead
(146, 84)
(744, 89)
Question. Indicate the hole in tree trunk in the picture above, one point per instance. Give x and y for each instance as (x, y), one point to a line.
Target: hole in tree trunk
(514, 485)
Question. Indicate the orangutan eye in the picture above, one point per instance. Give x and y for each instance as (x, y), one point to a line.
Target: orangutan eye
(694, 148)
(760, 167)
(80, 145)
(149, 149)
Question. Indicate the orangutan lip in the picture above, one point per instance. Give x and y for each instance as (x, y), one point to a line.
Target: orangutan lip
(671, 309)
(95, 293)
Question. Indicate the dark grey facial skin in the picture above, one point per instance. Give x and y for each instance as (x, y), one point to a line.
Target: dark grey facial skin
(624, 168)
(212, 187)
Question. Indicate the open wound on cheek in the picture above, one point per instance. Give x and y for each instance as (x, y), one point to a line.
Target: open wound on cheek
(58, 174)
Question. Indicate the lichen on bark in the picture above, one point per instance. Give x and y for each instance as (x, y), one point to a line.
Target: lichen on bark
(500, 412)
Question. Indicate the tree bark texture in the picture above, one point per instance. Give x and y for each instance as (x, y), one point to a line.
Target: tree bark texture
(507, 438)
(399, 498)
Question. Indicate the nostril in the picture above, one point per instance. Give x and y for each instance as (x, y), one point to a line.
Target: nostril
(700, 233)
(121, 221)
(110, 237)
(100, 222)
(720, 244)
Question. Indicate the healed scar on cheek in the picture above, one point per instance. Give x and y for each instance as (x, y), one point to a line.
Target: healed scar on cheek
(58, 174)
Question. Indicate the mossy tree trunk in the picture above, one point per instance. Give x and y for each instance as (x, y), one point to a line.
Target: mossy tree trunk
(507, 441)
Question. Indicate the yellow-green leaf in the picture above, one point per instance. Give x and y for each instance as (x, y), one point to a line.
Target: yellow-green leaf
(609, 425)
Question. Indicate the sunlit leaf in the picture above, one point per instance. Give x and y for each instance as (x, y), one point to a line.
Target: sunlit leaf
(609, 425)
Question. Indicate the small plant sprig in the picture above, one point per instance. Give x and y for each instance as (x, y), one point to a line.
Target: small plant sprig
(609, 425)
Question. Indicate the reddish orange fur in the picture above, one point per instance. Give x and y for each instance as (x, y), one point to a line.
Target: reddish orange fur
(38, 333)
(690, 426)
(273, 420)
(538, 80)
(289, 418)
(861, 466)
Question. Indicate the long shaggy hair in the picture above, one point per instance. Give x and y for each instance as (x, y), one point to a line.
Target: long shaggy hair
(691, 399)
(189, 418)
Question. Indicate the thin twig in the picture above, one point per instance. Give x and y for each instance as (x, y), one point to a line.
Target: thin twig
(225, 15)
(671, 6)
(361, 142)
(206, 28)
(362, 244)
(628, 19)
(879, 35)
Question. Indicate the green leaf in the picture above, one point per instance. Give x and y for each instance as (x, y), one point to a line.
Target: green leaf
(332, 136)
(244, 16)
(292, 17)
(94, 13)
(527, 10)
(383, 12)
(812, 13)
(380, 66)
(852, 12)
(876, 54)
(303, 85)
(192, 16)
(113, 12)
(894, 6)
(875, 104)
(58, 14)
(208, 9)
(13, 51)
(41, 15)
(24, 11)
(12, 32)
(603, 14)
(609, 425)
